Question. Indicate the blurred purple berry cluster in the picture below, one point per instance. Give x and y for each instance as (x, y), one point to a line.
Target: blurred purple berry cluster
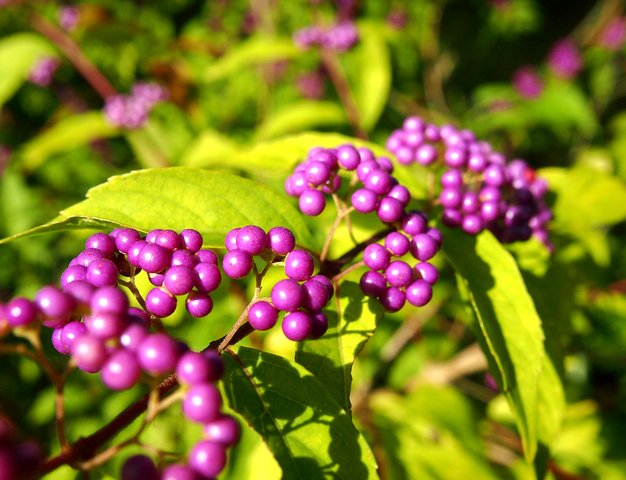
(132, 111)
(43, 71)
(302, 295)
(340, 37)
(479, 188)
(69, 16)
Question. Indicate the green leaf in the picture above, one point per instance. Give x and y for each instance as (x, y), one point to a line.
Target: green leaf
(182, 197)
(372, 81)
(209, 148)
(430, 434)
(331, 357)
(508, 322)
(309, 433)
(71, 132)
(585, 198)
(253, 51)
(300, 116)
(61, 224)
(281, 155)
(17, 55)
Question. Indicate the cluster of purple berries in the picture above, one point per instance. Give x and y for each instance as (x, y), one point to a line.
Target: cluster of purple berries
(341, 37)
(319, 175)
(18, 458)
(480, 190)
(394, 281)
(131, 111)
(43, 70)
(302, 296)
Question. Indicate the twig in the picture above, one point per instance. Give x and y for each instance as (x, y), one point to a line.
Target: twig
(75, 55)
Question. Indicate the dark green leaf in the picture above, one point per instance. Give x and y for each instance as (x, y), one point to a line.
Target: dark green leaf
(331, 357)
(509, 324)
(308, 432)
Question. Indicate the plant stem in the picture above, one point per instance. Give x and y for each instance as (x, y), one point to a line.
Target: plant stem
(75, 55)
(344, 92)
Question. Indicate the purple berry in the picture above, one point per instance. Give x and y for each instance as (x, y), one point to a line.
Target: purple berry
(72, 273)
(364, 200)
(160, 302)
(426, 154)
(202, 403)
(121, 371)
(191, 240)
(413, 223)
(320, 325)
(373, 284)
(427, 271)
(393, 299)
(89, 353)
(299, 265)
(180, 280)
(287, 295)
(208, 458)
(424, 247)
(158, 353)
(419, 293)
(139, 467)
(452, 179)
(102, 272)
(54, 303)
(198, 304)
(317, 172)
(399, 274)
(154, 258)
(133, 335)
(88, 255)
(390, 210)
(450, 198)
(397, 244)
(103, 242)
(125, 238)
(237, 263)
(104, 325)
(379, 181)
(471, 224)
(262, 316)
(178, 471)
(376, 257)
(224, 429)
(312, 202)
(400, 193)
(297, 326)
(193, 368)
(315, 296)
(80, 291)
(231, 239)
(109, 299)
(348, 157)
(168, 239)
(134, 252)
(324, 280)
(20, 311)
(281, 240)
(208, 277)
(184, 258)
(251, 239)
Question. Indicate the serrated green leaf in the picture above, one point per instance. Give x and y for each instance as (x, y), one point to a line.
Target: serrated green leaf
(300, 116)
(17, 55)
(508, 322)
(182, 197)
(331, 357)
(309, 433)
(71, 132)
(372, 81)
(253, 51)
